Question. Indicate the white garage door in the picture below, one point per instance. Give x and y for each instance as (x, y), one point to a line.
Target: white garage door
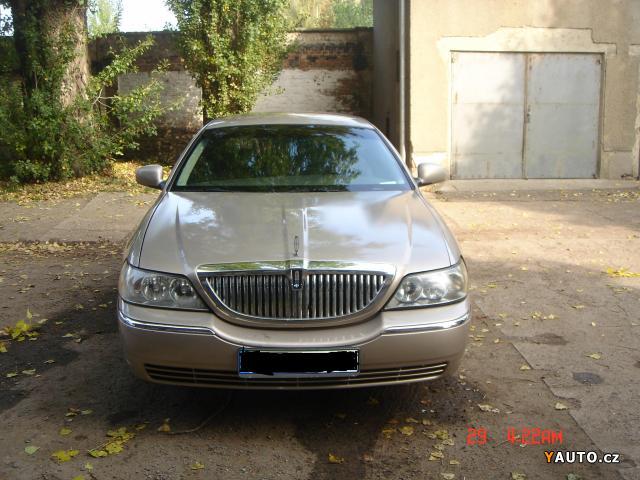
(517, 115)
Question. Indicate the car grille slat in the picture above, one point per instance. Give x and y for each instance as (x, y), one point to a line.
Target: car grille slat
(269, 295)
(196, 376)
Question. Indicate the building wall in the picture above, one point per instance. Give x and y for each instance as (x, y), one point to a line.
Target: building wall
(607, 27)
(327, 71)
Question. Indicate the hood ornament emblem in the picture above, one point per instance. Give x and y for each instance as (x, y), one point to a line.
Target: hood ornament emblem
(296, 245)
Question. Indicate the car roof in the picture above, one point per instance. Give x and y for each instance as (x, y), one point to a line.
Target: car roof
(289, 119)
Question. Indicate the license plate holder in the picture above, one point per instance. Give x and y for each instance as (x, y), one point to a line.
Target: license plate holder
(271, 363)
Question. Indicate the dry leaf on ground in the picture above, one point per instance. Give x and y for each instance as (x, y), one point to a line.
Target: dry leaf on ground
(62, 456)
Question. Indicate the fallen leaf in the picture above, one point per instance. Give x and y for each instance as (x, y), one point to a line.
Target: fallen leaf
(518, 476)
(113, 447)
(411, 420)
(439, 434)
(454, 462)
(49, 361)
(31, 449)
(30, 371)
(525, 367)
(65, 431)
(448, 476)
(595, 356)
(86, 412)
(578, 307)
(96, 453)
(197, 466)
(406, 430)
(560, 406)
(593, 324)
(621, 272)
(3, 348)
(64, 455)
(88, 466)
(11, 374)
(573, 476)
(388, 432)
(485, 407)
(78, 477)
(165, 427)
(435, 456)
(335, 459)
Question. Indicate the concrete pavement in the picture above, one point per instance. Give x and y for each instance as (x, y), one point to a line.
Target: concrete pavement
(108, 216)
(538, 270)
(538, 260)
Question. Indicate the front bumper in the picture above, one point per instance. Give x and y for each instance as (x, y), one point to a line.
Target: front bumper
(200, 349)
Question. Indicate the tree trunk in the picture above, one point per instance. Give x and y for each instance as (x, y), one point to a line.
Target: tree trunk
(49, 34)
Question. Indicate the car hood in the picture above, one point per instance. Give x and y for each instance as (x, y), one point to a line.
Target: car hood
(192, 229)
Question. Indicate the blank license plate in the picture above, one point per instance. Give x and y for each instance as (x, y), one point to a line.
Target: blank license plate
(307, 363)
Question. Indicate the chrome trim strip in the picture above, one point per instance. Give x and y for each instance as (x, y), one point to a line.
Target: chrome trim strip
(267, 266)
(160, 327)
(428, 327)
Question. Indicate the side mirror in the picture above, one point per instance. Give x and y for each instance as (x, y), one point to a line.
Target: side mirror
(429, 173)
(150, 176)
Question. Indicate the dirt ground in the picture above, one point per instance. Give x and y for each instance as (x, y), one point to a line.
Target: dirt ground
(528, 366)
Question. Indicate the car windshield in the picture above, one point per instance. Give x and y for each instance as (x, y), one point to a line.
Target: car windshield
(272, 158)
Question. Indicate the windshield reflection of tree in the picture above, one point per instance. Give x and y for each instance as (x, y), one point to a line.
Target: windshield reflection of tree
(278, 156)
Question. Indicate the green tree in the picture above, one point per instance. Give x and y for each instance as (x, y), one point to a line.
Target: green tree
(352, 13)
(233, 48)
(55, 119)
(310, 13)
(104, 17)
(331, 13)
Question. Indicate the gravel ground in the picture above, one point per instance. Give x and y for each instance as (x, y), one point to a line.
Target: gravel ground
(527, 366)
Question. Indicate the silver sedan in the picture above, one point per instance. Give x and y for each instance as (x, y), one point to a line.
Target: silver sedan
(292, 251)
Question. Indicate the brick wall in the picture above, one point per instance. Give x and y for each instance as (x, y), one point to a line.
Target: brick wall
(327, 71)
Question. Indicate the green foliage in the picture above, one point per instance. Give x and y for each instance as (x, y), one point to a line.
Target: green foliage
(331, 13)
(46, 136)
(104, 17)
(310, 13)
(352, 13)
(233, 48)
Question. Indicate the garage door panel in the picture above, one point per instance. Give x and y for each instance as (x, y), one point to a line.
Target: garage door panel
(495, 165)
(488, 115)
(525, 114)
(558, 142)
(563, 96)
(490, 144)
(489, 78)
(564, 78)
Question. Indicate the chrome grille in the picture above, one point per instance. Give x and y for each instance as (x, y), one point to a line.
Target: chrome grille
(269, 294)
(195, 376)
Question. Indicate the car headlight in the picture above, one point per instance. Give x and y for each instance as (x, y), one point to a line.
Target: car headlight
(431, 288)
(155, 289)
